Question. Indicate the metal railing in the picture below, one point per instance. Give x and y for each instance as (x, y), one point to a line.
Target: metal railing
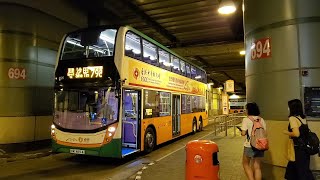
(227, 122)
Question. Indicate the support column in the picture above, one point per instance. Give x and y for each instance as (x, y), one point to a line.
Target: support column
(281, 38)
(29, 40)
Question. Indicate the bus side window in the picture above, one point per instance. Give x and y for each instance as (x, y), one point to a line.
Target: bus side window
(188, 104)
(133, 46)
(150, 55)
(188, 72)
(151, 104)
(164, 59)
(165, 104)
(175, 64)
(185, 104)
(183, 67)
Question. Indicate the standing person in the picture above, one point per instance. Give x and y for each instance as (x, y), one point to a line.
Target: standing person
(251, 160)
(298, 167)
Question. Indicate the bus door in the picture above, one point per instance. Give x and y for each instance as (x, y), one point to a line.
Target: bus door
(176, 115)
(131, 120)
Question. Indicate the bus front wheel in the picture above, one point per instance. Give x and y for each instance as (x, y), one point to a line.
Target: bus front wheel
(149, 140)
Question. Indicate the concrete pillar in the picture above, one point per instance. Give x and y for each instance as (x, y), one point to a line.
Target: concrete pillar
(29, 40)
(292, 28)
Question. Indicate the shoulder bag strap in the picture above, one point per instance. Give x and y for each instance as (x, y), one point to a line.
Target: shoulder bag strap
(301, 121)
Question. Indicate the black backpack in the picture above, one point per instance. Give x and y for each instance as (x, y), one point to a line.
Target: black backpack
(307, 140)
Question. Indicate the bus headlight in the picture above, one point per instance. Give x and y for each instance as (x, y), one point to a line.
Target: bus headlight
(111, 129)
(53, 127)
(110, 132)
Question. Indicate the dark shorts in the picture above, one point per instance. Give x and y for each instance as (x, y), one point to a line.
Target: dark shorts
(249, 152)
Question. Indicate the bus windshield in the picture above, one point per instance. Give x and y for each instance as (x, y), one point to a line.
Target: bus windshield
(89, 44)
(85, 109)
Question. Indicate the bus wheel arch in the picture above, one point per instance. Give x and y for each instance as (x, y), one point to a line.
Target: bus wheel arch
(200, 124)
(194, 125)
(150, 139)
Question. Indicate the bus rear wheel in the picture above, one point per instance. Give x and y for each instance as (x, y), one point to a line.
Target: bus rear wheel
(200, 125)
(149, 140)
(194, 127)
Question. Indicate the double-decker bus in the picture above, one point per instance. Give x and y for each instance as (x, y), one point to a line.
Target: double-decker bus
(237, 105)
(118, 92)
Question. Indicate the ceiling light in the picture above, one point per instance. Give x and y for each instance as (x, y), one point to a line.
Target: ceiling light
(242, 52)
(226, 7)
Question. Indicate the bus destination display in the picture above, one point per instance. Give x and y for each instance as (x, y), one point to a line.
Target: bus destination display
(85, 72)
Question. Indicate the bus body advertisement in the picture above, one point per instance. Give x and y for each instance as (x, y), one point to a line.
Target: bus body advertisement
(118, 92)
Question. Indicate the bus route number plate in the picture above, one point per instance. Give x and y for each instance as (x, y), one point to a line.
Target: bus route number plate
(77, 151)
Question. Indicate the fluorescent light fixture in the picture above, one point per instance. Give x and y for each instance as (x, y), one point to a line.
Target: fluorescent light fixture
(167, 64)
(106, 38)
(74, 43)
(242, 52)
(136, 51)
(227, 7)
(198, 77)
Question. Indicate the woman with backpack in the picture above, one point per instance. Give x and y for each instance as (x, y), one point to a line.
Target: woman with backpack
(299, 159)
(250, 155)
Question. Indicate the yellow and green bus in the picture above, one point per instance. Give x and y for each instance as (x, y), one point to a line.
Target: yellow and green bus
(118, 92)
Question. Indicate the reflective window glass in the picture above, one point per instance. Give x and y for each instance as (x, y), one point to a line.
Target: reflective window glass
(151, 104)
(175, 65)
(198, 74)
(188, 72)
(133, 46)
(165, 104)
(183, 67)
(150, 53)
(185, 104)
(164, 60)
(88, 44)
(193, 72)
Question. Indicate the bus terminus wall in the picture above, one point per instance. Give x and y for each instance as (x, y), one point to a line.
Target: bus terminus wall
(282, 60)
(29, 39)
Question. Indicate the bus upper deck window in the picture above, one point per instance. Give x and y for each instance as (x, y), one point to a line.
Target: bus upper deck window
(183, 67)
(164, 60)
(188, 72)
(132, 46)
(199, 75)
(175, 65)
(150, 53)
(193, 72)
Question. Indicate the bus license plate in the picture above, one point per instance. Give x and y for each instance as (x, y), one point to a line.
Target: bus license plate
(77, 151)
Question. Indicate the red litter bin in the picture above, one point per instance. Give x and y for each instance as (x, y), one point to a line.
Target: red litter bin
(202, 160)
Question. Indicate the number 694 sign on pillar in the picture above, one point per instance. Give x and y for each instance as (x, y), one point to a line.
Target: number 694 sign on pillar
(261, 49)
(17, 73)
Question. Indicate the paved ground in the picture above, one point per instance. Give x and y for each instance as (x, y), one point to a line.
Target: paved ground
(230, 154)
(165, 163)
